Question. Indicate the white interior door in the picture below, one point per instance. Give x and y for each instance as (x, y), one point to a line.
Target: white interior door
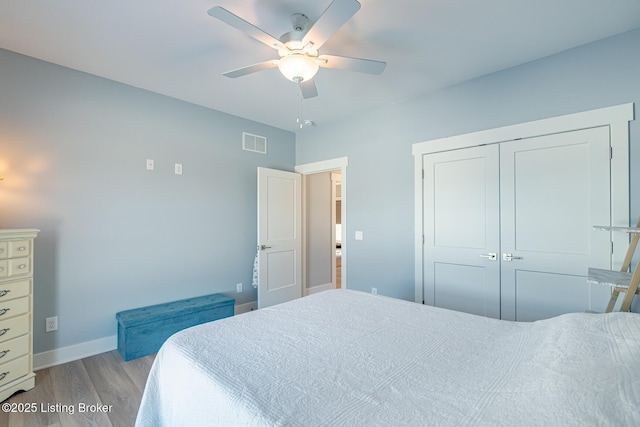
(461, 227)
(279, 236)
(554, 189)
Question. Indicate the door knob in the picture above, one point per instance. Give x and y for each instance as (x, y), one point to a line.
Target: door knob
(490, 256)
(263, 247)
(509, 257)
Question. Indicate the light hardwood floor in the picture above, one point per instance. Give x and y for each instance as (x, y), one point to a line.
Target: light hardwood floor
(62, 392)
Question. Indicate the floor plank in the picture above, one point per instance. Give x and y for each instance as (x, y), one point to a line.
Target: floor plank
(138, 369)
(114, 387)
(72, 386)
(42, 397)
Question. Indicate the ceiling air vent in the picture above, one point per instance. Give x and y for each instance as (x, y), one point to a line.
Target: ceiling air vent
(255, 143)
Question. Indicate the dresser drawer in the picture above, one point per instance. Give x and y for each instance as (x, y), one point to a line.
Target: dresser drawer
(14, 327)
(13, 308)
(19, 266)
(14, 289)
(4, 250)
(14, 348)
(18, 248)
(13, 370)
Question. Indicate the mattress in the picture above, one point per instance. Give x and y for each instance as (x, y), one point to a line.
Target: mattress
(349, 358)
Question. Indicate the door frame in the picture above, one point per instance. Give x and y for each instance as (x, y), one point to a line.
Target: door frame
(330, 165)
(617, 118)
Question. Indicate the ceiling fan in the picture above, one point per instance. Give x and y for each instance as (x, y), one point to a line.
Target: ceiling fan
(298, 49)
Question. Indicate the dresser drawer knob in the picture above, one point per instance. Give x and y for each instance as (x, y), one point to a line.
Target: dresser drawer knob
(22, 266)
(4, 310)
(22, 248)
(3, 353)
(4, 331)
(1, 250)
(3, 375)
(1, 268)
(4, 291)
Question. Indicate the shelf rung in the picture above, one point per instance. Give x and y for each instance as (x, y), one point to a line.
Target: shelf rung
(617, 279)
(631, 230)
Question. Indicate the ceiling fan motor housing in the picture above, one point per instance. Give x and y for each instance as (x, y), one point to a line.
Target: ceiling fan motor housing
(300, 22)
(293, 39)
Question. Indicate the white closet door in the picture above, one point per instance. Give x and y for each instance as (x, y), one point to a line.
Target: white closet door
(461, 225)
(553, 190)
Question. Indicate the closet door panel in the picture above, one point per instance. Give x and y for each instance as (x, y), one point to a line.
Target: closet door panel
(543, 295)
(461, 224)
(553, 190)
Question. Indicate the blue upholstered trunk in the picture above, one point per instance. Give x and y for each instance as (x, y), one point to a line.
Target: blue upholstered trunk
(142, 331)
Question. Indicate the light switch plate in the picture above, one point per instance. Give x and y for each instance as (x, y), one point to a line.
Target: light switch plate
(359, 235)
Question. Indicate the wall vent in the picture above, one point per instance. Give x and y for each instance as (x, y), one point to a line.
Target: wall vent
(255, 143)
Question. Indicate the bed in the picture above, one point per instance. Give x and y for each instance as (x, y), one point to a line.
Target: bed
(349, 358)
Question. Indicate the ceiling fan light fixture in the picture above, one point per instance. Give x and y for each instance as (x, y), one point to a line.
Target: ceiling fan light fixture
(298, 67)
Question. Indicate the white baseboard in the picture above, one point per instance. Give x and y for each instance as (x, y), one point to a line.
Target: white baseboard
(319, 288)
(74, 352)
(245, 308)
(91, 348)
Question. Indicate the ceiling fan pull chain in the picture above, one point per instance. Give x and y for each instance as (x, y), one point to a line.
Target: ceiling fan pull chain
(299, 120)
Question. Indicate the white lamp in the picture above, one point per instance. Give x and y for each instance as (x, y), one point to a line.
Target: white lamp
(298, 67)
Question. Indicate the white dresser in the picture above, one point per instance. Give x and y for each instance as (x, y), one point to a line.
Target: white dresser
(16, 311)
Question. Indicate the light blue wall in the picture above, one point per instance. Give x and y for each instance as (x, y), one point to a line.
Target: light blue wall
(73, 149)
(378, 144)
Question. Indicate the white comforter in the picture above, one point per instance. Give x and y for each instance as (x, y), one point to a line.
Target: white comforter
(345, 358)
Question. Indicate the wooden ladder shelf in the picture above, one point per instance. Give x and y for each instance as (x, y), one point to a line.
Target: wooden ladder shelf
(622, 281)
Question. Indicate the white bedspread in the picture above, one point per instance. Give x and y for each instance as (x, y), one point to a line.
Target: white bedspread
(346, 358)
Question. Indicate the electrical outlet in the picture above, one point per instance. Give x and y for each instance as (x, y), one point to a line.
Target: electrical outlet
(149, 164)
(374, 291)
(178, 169)
(239, 287)
(51, 324)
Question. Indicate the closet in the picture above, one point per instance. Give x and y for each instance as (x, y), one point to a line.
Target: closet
(507, 227)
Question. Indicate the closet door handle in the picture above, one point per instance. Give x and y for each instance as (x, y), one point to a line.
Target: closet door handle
(509, 257)
(490, 256)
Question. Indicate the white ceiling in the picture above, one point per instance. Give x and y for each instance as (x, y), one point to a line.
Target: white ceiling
(174, 48)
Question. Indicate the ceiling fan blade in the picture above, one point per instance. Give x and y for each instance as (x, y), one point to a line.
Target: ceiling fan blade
(240, 24)
(334, 17)
(308, 89)
(354, 64)
(252, 69)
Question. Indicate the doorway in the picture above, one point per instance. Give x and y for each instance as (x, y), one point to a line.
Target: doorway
(336, 203)
(324, 225)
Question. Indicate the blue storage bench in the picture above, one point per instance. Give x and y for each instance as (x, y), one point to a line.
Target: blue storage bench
(142, 331)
